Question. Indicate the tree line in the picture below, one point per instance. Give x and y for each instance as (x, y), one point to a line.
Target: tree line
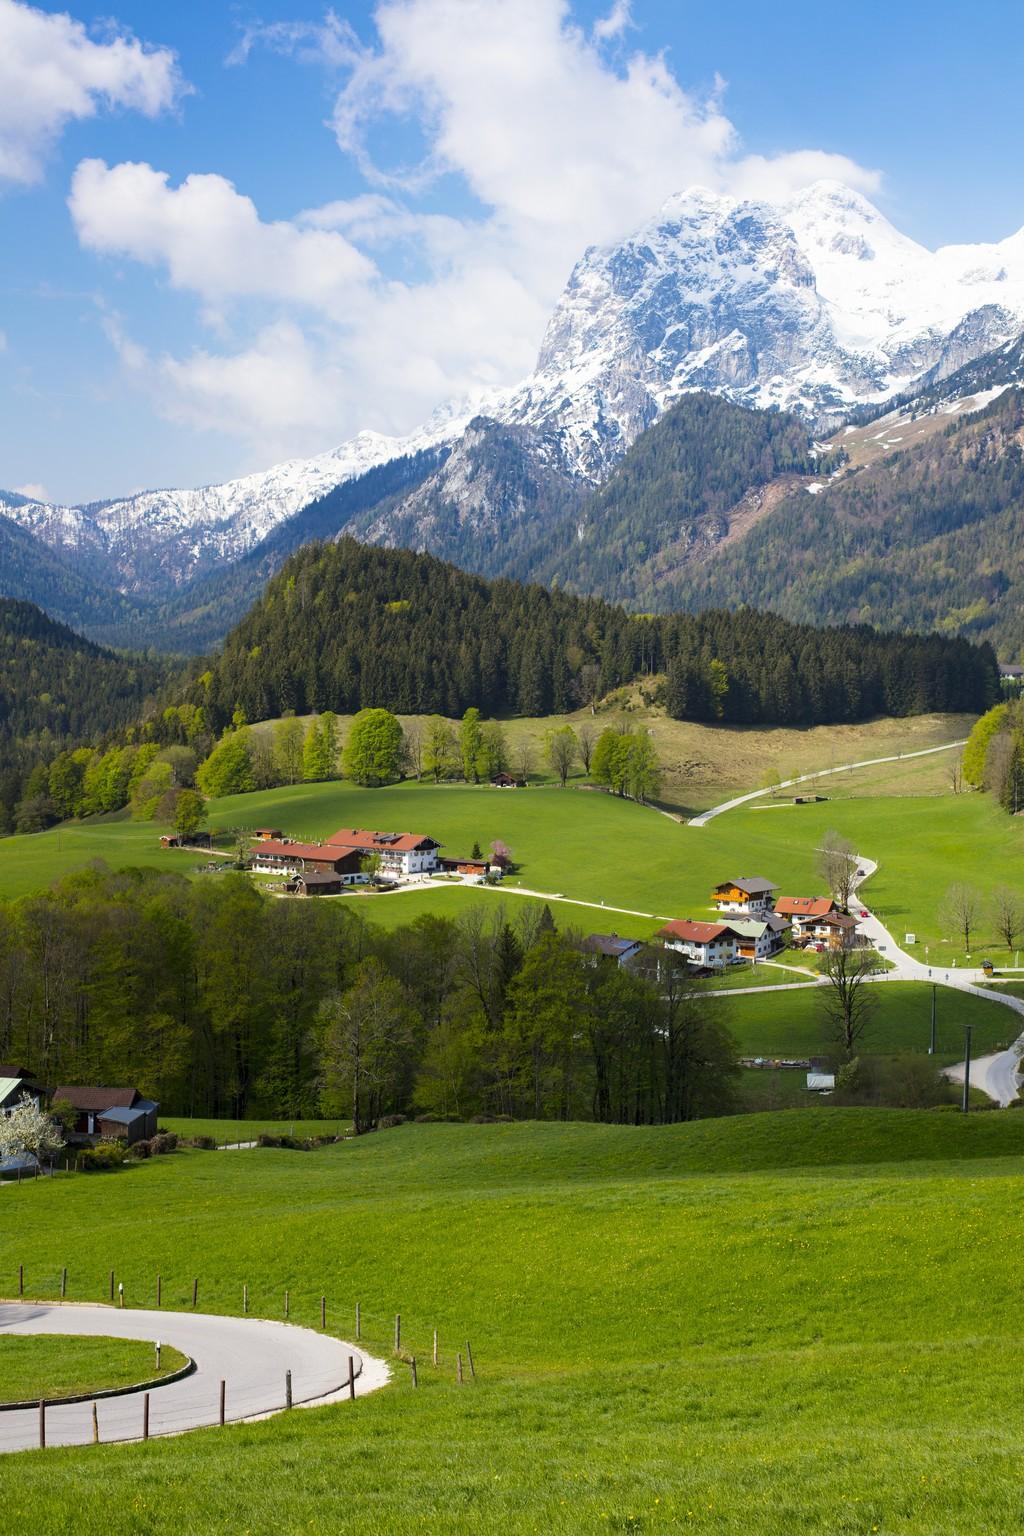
(216, 1001)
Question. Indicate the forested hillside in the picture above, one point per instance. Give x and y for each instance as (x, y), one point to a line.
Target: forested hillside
(58, 691)
(347, 626)
(672, 500)
(65, 585)
(932, 537)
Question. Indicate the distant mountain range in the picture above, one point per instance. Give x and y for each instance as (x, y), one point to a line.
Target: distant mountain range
(748, 332)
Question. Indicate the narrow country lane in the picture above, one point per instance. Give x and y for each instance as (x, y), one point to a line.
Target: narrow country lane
(249, 1355)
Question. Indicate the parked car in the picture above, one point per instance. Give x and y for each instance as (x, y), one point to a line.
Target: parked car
(864, 912)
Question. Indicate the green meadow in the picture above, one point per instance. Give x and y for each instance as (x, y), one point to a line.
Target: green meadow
(594, 848)
(52, 1365)
(791, 1023)
(775, 1323)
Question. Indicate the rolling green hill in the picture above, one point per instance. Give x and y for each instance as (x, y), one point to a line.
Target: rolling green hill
(672, 1329)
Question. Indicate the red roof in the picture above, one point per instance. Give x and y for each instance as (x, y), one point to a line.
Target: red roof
(96, 1100)
(803, 906)
(381, 842)
(695, 933)
(277, 849)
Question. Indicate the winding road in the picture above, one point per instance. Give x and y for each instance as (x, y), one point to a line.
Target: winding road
(249, 1355)
(998, 1075)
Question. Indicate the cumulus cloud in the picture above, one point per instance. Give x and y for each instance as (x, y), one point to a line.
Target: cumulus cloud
(52, 71)
(33, 491)
(555, 138)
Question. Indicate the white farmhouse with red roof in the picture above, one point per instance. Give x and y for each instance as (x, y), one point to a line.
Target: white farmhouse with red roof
(401, 853)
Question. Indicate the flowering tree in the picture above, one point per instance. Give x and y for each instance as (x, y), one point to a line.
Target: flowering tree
(28, 1129)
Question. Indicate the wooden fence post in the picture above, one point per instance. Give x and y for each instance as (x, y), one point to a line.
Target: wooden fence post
(469, 1356)
(21, 1279)
(359, 1322)
(145, 1416)
(111, 1285)
(458, 1369)
(398, 1332)
(159, 1288)
(287, 1304)
(245, 1298)
(435, 1346)
(195, 1291)
(63, 1282)
(351, 1376)
(287, 1389)
(415, 1378)
(323, 1312)
(222, 1394)
(42, 1424)
(95, 1426)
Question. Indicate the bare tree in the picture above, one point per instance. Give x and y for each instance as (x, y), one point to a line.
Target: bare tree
(412, 747)
(586, 739)
(588, 685)
(1007, 914)
(956, 774)
(961, 909)
(523, 757)
(848, 1002)
(561, 750)
(837, 866)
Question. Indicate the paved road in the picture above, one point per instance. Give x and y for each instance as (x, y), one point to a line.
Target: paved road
(807, 778)
(250, 1355)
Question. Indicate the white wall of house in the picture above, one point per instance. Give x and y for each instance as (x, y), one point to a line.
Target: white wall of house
(717, 952)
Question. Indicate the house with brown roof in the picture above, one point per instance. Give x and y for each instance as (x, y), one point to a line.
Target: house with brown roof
(747, 896)
(282, 856)
(707, 944)
(116, 1112)
(400, 853)
(802, 912)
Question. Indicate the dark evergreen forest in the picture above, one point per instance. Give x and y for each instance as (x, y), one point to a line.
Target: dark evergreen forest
(346, 626)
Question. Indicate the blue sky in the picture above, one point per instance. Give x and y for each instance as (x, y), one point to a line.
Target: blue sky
(246, 235)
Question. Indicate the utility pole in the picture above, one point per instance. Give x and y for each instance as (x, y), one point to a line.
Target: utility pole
(967, 1069)
(931, 1048)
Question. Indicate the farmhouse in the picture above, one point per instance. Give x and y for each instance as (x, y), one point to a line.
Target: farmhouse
(749, 896)
(268, 834)
(284, 857)
(401, 853)
(836, 930)
(119, 1112)
(506, 781)
(758, 937)
(610, 947)
(312, 883)
(703, 943)
(17, 1083)
(802, 911)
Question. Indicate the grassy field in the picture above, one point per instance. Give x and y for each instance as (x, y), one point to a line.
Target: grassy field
(52, 1365)
(790, 1023)
(755, 1325)
(246, 1130)
(702, 764)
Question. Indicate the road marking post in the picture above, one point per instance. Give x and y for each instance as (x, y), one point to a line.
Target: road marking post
(287, 1389)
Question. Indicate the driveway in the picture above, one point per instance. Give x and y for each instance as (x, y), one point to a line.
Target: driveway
(251, 1356)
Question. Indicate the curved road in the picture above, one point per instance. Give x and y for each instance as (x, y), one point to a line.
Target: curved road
(807, 778)
(251, 1356)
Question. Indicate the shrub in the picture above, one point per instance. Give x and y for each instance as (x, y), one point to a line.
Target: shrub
(163, 1142)
(388, 1122)
(103, 1157)
(203, 1143)
(140, 1149)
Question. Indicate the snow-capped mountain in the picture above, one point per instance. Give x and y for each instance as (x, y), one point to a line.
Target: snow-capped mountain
(817, 305)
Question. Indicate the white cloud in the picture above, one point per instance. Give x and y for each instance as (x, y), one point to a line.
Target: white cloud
(561, 140)
(33, 491)
(52, 71)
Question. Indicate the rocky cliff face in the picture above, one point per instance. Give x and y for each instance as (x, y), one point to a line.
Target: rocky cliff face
(816, 306)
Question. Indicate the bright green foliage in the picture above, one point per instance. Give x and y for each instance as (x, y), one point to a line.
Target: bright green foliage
(471, 743)
(288, 751)
(228, 769)
(626, 762)
(320, 750)
(367, 1034)
(373, 753)
(976, 750)
(189, 813)
(561, 749)
(440, 749)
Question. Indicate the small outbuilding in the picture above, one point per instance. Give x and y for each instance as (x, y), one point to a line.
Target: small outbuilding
(93, 1105)
(130, 1125)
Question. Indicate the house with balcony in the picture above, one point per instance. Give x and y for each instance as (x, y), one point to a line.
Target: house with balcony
(705, 944)
(758, 938)
(748, 896)
(802, 912)
(401, 854)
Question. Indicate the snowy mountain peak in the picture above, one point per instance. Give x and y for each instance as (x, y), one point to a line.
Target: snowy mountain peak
(815, 305)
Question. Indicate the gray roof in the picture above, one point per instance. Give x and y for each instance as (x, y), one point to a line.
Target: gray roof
(753, 885)
(609, 943)
(121, 1115)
